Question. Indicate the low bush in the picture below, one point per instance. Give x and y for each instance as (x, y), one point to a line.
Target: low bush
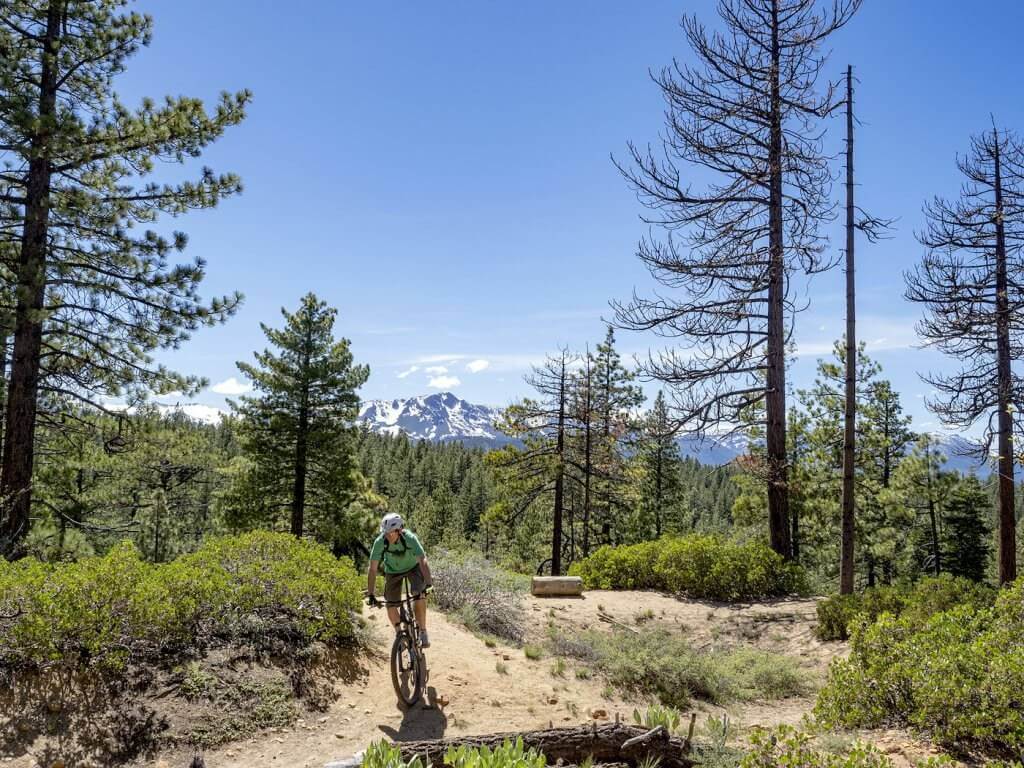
(959, 676)
(917, 602)
(664, 665)
(624, 567)
(104, 612)
(786, 746)
(481, 595)
(699, 566)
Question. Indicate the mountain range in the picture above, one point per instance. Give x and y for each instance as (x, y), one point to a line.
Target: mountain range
(445, 417)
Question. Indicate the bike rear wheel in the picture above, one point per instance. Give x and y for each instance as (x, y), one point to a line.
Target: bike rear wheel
(407, 669)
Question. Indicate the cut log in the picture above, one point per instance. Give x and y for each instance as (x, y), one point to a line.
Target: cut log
(609, 743)
(557, 586)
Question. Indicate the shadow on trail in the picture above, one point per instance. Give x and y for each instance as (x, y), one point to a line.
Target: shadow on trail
(421, 722)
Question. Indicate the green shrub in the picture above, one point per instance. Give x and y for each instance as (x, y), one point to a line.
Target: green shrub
(786, 746)
(901, 672)
(917, 603)
(106, 611)
(664, 665)
(699, 566)
(624, 567)
(762, 675)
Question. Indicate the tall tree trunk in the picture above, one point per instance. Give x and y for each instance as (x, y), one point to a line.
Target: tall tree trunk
(1007, 522)
(299, 489)
(556, 533)
(933, 515)
(849, 418)
(19, 445)
(775, 400)
(302, 445)
(658, 502)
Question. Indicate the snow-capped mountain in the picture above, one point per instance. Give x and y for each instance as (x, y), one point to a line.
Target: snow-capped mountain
(439, 418)
(445, 417)
(714, 450)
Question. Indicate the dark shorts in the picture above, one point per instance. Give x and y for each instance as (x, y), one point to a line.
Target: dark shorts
(393, 584)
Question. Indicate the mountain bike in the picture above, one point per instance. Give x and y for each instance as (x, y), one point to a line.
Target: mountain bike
(408, 662)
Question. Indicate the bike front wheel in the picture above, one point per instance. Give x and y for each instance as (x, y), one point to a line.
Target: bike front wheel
(407, 669)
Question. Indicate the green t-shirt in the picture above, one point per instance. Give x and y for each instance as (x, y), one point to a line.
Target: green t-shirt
(398, 557)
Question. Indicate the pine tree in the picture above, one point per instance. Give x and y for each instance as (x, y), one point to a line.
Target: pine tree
(94, 295)
(967, 533)
(297, 432)
(660, 477)
(616, 401)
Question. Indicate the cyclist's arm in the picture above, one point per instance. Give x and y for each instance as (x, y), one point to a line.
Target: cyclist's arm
(371, 578)
(425, 570)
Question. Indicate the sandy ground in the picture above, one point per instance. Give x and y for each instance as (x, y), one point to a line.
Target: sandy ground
(476, 689)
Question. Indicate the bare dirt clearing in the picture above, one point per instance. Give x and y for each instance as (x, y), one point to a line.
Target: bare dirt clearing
(476, 689)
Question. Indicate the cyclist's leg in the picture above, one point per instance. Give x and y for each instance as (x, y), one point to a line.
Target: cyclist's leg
(416, 587)
(392, 595)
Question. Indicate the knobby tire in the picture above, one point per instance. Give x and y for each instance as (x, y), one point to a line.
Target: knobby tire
(407, 669)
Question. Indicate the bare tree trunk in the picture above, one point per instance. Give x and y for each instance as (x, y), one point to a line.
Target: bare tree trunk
(846, 560)
(588, 469)
(556, 533)
(658, 502)
(302, 446)
(299, 489)
(1007, 522)
(19, 445)
(775, 400)
(933, 513)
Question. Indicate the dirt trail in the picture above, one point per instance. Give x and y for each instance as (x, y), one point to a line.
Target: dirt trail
(476, 689)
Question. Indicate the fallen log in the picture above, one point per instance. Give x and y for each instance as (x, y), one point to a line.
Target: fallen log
(608, 743)
(557, 586)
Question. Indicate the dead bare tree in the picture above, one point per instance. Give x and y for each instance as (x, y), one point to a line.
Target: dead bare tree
(873, 228)
(971, 285)
(746, 117)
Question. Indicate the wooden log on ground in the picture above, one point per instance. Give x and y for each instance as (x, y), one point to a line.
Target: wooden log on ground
(608, 743)
(557, 586)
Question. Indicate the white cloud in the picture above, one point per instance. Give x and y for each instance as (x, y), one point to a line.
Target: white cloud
(435, 370)
(231, 386)
(478, 365)
(444, 382)
(408, 371)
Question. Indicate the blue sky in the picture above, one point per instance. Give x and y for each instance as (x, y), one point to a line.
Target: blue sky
(440, 171)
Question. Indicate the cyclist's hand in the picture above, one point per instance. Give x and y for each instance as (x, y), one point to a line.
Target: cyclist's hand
(372, 601)
(428, 589)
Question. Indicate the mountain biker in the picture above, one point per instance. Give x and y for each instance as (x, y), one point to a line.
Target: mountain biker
(403, 557)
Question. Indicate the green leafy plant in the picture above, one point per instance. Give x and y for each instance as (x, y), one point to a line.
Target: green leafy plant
(655, 716)
(381, 754)
(508, 755)
(786, 746)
